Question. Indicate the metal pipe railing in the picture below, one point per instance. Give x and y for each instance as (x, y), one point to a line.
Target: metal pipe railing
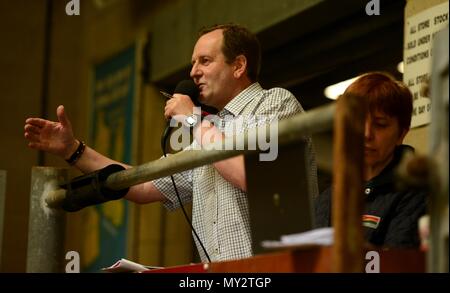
(347, 150)
(289, 130)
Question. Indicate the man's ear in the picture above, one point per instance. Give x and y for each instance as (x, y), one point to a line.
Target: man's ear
(239, 66)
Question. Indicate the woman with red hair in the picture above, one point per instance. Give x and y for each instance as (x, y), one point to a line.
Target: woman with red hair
(390, 216)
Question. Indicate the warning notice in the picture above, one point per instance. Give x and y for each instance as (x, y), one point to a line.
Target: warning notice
(419, 33)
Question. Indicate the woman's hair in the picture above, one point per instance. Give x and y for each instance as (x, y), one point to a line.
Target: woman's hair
(385, 94)
(238, 40)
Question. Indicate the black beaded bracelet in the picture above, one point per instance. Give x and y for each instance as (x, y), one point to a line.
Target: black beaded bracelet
(77, 154)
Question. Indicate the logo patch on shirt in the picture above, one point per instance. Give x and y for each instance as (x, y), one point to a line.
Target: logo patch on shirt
(370, 221)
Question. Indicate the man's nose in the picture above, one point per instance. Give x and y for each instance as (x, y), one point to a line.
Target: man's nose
(195, 72)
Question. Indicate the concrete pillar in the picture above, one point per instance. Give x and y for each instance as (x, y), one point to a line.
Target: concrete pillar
(45, 252)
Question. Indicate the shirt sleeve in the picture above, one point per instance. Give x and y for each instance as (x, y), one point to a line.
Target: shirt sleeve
(322, 209)
(279, 103)
(403, 228)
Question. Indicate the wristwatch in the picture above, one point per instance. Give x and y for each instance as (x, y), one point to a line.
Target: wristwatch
(191, 120)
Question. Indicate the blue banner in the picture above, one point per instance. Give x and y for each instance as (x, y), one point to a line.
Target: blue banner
(106, 225)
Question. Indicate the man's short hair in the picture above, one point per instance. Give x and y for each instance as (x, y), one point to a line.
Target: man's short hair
(238, 40)
(385, 94)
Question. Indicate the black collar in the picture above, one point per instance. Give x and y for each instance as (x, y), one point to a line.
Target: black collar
(386, 177)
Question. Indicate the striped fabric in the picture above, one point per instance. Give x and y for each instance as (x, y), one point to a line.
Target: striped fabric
(220, 211)
(370, 221)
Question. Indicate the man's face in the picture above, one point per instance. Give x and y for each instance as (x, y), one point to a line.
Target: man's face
(382, 134)
(210, 72)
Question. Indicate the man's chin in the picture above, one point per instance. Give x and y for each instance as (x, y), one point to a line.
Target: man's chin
(204, 100)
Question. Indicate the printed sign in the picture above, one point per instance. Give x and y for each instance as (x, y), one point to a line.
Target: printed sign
(419, 33)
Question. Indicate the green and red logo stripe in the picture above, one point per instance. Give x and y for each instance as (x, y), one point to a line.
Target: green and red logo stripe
(371, 221)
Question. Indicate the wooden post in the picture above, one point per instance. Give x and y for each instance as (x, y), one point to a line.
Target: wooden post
(2, 208)
(438, 151)
(347, 198)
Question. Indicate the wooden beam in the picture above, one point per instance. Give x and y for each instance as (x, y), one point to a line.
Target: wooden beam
(347, 195)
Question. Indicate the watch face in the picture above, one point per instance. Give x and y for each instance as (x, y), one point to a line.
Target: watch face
(190, 120)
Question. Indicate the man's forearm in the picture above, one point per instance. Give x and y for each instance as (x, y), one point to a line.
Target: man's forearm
(144, 193)
(233, 169)
(92, 160)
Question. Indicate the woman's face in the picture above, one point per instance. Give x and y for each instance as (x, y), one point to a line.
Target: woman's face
(382, 135)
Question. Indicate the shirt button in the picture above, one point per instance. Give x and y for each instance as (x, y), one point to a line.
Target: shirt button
(367, 191)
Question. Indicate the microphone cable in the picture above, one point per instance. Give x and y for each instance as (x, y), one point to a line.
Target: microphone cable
(163, 146)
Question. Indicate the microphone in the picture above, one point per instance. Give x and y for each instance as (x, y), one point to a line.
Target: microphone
(184, 87)
(189, 88)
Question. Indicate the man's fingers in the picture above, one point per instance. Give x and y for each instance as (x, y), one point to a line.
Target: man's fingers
(36, 145)
(39, 122)
(168, 110)
(32, 129)
(62, 117)
(168, 102)
(32, 137)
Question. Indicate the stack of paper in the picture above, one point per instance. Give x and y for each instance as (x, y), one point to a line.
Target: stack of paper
(127, 266)
(321, 236)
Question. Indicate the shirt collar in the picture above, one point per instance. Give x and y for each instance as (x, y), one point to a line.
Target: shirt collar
(238, 103)
(386, 177)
